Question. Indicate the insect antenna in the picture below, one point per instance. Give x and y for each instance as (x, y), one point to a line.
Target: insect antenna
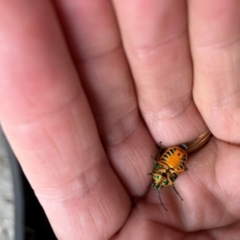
(161, 200)
(177, 192)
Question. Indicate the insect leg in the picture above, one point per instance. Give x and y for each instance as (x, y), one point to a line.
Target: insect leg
(177, 192)
(160, 148)
(161, 200)
(176, 171)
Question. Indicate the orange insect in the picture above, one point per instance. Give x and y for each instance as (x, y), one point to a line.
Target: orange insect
(168, 165)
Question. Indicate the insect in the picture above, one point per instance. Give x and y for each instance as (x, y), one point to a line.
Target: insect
(168, 165)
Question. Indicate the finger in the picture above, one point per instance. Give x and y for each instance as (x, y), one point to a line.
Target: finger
(46, 117)
(93, 35)
(215, 44)
(155, 37)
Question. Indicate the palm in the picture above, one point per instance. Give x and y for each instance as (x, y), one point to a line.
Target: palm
(150, 71)
(210, 206)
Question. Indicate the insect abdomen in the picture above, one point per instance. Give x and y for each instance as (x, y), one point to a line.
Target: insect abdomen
(174, 157)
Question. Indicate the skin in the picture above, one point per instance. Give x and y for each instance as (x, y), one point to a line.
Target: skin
(87, 89)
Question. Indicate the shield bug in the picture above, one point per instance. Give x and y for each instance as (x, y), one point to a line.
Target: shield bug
(169, 163)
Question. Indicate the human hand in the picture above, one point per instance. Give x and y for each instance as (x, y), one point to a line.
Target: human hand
(84, 124)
